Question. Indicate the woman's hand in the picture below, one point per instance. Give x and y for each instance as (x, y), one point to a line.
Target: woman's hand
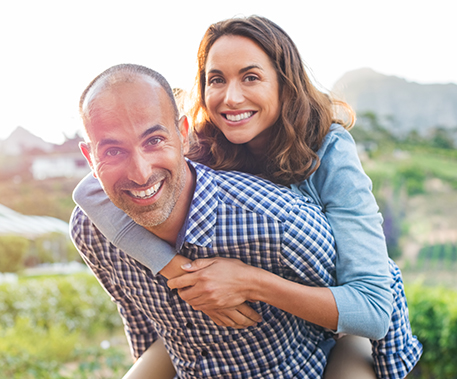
(240, 317)
(218, 287)
(214, 283)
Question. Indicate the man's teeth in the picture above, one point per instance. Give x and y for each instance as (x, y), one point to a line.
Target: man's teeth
(238, 117)
(147, 193)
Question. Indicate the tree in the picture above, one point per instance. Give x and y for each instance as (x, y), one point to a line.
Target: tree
(12, 252)
(441, 138)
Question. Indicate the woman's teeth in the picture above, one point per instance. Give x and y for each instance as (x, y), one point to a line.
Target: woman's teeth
(238, 117)
(146, 194)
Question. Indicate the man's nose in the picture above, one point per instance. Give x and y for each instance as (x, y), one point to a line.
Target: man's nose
(139, 169)
(234, 94)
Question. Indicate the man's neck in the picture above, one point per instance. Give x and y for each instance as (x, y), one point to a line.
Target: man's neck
(169, 230)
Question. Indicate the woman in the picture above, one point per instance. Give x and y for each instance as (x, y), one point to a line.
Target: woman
(257, 111)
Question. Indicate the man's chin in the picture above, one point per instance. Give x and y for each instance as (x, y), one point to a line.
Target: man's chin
(146, 219)
(147, 216)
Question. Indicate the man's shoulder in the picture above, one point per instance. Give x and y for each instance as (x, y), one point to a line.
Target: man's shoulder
(255, 194)
(77, 217)
(80, 225)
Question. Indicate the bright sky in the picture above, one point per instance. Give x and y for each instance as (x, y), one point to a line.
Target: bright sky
(50, 50)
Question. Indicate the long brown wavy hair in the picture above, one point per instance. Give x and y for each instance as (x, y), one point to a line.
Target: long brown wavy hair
(305, 117)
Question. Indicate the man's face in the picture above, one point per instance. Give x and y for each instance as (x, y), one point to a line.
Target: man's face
(136, 150)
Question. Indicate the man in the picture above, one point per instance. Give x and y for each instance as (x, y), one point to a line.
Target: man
(266, 244)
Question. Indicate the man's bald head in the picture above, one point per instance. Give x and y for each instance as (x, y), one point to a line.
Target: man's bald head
(121, 74)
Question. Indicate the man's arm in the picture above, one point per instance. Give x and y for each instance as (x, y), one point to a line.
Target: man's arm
(92, 247)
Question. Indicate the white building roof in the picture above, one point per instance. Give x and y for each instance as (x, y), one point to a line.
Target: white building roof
(12, 222)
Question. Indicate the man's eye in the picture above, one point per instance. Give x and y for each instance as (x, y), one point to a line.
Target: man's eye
(154, 141)
(113, 152)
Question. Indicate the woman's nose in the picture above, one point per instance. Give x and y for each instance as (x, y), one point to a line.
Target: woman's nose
(234, 94)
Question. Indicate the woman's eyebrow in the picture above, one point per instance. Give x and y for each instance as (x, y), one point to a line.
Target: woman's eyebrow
(247, 68)
(241, 71)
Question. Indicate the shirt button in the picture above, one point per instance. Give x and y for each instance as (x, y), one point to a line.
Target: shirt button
(204, 353)
(189, 325)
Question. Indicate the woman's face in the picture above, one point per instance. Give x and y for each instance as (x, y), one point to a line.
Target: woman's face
(241, 91)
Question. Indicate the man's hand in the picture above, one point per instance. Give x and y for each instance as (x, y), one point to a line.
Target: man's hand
(218, 287)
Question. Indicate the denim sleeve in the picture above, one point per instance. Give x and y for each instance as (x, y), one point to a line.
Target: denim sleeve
(343, 190)
(119, 228)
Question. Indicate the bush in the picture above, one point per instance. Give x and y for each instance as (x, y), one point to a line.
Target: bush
(12, 252)
(433, 315)
(76, 301)
(53, 343)
(55, 247)
(46, 323)
(412, 178)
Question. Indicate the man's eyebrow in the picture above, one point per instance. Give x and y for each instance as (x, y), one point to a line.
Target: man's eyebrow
(147, 132)
(107, 142)
(154, 129)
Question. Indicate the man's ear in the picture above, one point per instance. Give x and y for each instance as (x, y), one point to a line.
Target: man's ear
(85, 150)
(184, 129)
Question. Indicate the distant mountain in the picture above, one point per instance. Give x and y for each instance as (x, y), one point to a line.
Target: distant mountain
(21, 140)
(411, 106)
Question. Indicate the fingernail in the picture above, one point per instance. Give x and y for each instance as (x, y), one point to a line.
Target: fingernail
(187, 265)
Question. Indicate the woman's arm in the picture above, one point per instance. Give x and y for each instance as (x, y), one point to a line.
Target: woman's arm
(343, 190)
(306, 256)
(224, 282)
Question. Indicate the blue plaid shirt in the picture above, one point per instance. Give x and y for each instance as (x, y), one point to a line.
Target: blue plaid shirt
(238, 216)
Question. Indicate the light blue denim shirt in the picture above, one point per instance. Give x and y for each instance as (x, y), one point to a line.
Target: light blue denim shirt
(341, 188)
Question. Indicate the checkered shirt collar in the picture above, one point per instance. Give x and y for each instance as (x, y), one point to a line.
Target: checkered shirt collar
(202, 217)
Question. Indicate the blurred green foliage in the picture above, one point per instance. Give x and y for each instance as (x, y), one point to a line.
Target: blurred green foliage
(13, 250)
(18, 253)
(49, 322)
(401, 168)
(50, 197)
(433, 315)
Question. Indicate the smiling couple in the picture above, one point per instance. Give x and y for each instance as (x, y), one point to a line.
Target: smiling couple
(239, 277)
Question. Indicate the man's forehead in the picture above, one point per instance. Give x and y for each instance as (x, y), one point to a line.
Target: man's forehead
(116, 83)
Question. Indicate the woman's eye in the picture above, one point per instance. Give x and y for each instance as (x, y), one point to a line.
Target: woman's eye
(216, 80)
(251, 78)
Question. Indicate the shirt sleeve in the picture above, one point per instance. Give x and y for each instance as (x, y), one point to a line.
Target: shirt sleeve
(119, 228)
(92, 247)
(342, 188)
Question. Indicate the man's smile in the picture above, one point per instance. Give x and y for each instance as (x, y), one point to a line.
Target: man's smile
(147, 193)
